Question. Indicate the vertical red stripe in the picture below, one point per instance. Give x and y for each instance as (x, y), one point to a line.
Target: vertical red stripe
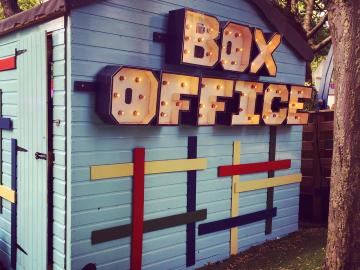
(138, 208)
(8, 63)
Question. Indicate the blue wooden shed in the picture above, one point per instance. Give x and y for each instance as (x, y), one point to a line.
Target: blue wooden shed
(101, 168)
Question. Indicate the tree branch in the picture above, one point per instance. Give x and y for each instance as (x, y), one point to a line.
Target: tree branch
(308, 15)
(317, 27)
(10, 7)
(320, 45)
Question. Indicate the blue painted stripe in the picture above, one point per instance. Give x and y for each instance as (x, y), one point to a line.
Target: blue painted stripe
(13, 206)
(5, 123)
(228, 223)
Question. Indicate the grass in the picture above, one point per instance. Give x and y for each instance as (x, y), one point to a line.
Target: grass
(302, 250)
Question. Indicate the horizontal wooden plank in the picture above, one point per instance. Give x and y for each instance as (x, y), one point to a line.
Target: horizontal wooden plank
(114, 233)
(307, 181)
(8, 194)
(228, 223)
(326, 162)
(308, 136)
(309, 127)
(230, 170)
(266, 183)
(327, 126)
(326, 135)
(307, 146)
(99, 172)
(307, 163)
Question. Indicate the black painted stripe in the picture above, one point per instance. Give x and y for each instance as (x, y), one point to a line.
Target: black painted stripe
(191, 204)
(5, 123)
(229, 223)
(118, 232)
(271, 174)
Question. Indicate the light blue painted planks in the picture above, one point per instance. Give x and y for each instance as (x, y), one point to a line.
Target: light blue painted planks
(9, 87)
(120, 32)
(59, 208)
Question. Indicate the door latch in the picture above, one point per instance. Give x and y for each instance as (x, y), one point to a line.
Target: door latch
(40, 156)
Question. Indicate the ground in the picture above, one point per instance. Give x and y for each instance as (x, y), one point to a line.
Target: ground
(302, 250)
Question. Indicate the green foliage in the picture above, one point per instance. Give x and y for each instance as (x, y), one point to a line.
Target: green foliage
(297, 13)
(27, 4)
(23, 4)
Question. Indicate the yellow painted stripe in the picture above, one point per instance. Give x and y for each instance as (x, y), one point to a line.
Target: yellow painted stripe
(7, 193)
(99, 172)
(111, 171)
(268, 182)
(179, 165)
(234, 200)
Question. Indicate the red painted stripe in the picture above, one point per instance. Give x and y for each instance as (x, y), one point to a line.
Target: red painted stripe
(240, 169)
(8, 63)
(138, 208)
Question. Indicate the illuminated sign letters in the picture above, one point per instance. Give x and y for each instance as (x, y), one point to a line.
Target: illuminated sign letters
(198, 95)
(197, 39)
(131, 96)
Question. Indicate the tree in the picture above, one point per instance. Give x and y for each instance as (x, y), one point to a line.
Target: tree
(11, 7)
(309, 17)
(342, 252)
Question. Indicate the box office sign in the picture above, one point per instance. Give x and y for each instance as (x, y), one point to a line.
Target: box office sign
(217, 55)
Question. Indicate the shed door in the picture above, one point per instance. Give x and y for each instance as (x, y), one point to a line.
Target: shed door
(32, 134)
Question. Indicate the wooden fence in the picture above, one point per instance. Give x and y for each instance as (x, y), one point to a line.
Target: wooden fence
(316, 167)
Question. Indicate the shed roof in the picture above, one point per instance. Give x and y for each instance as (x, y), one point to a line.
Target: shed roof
(56, 8)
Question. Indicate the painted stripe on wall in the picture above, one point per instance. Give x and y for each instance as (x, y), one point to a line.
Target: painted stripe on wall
(138, 208)
(191, 204)
(99, 172)
(228, 223)
(235, 179)
(268, 182)
(8, 63)
(13, 206)
(241, 169)
(118, 232)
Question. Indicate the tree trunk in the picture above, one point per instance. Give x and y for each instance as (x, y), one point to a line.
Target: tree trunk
(10, 7)
(343, 244)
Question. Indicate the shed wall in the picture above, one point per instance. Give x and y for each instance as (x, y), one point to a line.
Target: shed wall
(120, 32)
